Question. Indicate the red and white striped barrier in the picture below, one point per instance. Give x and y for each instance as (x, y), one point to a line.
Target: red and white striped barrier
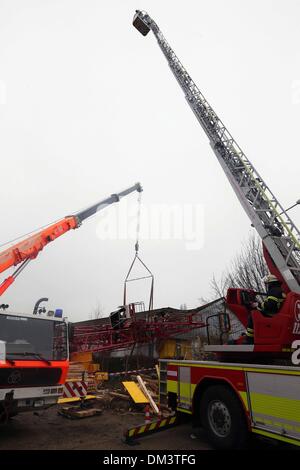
(75, 388)
(130, 372)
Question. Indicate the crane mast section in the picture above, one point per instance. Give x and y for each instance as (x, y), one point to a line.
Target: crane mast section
(277, 231)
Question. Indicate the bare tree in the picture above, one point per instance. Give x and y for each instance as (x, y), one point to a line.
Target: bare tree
(97, 312)
(246, 271)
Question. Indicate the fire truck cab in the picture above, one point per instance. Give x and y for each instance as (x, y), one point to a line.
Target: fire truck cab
(272, 334)
(33, 362)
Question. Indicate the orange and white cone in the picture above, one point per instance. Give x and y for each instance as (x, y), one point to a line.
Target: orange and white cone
(147, 415)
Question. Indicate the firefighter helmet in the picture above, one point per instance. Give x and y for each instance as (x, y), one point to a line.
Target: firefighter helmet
(270, 278)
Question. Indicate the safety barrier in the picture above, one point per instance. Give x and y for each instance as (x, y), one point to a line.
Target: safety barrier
(75, 388)
(150, 428)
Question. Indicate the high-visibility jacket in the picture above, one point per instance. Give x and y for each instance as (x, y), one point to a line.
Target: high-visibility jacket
(271, 306)
(274, 301)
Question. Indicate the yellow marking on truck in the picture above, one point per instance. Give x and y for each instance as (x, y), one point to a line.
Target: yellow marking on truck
(184, 392)
(279, 407)
(233, 367)
(172, 386)
(244, 397)
(183, 410)
(276, 436)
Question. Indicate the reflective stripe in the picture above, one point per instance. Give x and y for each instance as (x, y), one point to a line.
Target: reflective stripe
(185, 399)
(270, 421)
(258, 368)
(142, 429)
(275, 403)
(244, 397)
(184, 375)
(185, 392)
(275, 407)
(184, 411)
(249, 334)
(277, 299)
(273, 385)
(147, 428)
(279, 438)
(172, 386)
(172, 373)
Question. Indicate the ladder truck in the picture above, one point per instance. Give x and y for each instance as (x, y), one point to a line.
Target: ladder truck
(246, 388)
(34, 349)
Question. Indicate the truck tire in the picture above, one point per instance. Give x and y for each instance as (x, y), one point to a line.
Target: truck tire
(223, 418)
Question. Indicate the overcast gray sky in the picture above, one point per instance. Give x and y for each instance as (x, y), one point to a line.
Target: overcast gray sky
(89, 107)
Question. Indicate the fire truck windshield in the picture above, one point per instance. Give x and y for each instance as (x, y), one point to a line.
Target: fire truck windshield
(33, 339)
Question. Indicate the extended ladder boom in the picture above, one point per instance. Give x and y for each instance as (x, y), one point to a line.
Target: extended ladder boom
(277, 231)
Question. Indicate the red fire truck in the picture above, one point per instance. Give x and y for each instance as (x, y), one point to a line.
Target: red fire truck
(34, 349)
(33, 362)
(245, 387)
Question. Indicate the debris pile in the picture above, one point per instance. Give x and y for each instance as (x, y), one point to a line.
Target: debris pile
(123, 393)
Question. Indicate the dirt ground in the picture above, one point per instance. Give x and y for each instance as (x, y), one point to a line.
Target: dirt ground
(46, 430)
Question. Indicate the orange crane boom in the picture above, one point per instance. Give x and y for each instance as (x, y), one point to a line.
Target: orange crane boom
(29, 248)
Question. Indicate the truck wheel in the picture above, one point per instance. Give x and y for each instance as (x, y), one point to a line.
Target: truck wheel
(223, 418)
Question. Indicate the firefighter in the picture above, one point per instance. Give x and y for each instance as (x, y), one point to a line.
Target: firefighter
(271, 306)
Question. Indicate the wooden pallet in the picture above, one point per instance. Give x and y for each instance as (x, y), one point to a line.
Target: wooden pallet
(78, 413)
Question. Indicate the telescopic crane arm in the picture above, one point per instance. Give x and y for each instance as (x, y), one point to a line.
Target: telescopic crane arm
(280, 236)
(29, 248)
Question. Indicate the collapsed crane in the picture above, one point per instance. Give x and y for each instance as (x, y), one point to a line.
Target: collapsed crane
(279, 234)
(131, 326)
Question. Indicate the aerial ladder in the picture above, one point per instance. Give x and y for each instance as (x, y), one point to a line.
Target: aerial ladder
(279, 234)
(252, 388)
(24, 251)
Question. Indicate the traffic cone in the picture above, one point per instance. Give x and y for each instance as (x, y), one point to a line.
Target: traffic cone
(147, 415)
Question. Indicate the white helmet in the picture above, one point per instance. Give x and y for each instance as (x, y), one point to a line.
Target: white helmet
(270, 278)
